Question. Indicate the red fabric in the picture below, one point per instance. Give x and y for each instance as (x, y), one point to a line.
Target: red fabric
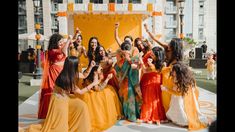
(50, 73)
(56, 55)
(113, 81)
(44, 103)
(145, 58)
(152, 108)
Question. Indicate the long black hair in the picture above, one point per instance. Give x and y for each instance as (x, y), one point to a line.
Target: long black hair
(126, 46)
(53, 42)
(90, 77)
(75, 43)
(176, 45)
(128, 36)
(160, 57)
(98, 57)
(67, 77)
(184, 77)
(145, 45)
(90, 50)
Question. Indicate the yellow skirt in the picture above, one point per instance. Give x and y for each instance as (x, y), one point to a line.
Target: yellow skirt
(167, 81)
(65, 114)
(104, 108)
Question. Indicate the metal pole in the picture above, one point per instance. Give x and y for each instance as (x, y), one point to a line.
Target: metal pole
(181, 23)
(38, 46)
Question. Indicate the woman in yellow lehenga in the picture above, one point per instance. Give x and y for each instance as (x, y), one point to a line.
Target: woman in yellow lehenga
(184, 107)
(102, 101)
(66, 112)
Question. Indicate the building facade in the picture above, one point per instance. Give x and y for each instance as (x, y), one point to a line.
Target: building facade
(163, 17)
(200, 22)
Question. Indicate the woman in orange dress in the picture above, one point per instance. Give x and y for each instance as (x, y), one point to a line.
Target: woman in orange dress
(152, 110)
(184, 107)
(53, 64)
(174, 53)
(66, 112)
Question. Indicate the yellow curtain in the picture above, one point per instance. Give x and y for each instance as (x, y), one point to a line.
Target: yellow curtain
(102, 26)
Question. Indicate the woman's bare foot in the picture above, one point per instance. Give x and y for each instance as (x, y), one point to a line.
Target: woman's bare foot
(139, 121)
(150, 122)
(158, 123)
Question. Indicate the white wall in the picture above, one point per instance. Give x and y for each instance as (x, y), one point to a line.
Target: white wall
(210, 22)
(188, 17)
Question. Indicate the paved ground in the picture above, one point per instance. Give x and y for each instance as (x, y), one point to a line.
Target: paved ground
(28, 110)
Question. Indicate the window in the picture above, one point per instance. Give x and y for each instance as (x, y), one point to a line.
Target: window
(78, 1)
(201, 4)
(200, 33)
(201, 20)
(96, 1)
(22, 22)
(119, 1)
(135, 1)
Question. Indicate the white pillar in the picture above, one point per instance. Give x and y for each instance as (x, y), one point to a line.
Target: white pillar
(63, 23)
(70, 25)
(30, 20)
(86, 1)
(46, 5)
(30, 16)
(105, 1)
(125, 1)
(144, 1)
(70, 1)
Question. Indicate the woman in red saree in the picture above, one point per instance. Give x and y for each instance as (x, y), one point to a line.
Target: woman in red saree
(152, 110)
(53, 64)
(106, 63)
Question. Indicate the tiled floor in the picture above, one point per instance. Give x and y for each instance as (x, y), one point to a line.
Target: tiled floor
(207, 102)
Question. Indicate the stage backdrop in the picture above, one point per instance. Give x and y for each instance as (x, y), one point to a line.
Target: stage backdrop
(102, 26)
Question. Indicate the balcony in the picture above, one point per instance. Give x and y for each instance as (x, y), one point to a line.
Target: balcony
(54, 8)
(201, 38)
(201, 25)
(22, 27)
(171, 24)
(170, 10)
(54, 27)
(201, 12)
(23, 13)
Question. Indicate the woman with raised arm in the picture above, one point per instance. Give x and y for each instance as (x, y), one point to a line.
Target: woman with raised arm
(164, 45)
(126, 38)
(53, 64)
(174, 53)
(76, 48)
